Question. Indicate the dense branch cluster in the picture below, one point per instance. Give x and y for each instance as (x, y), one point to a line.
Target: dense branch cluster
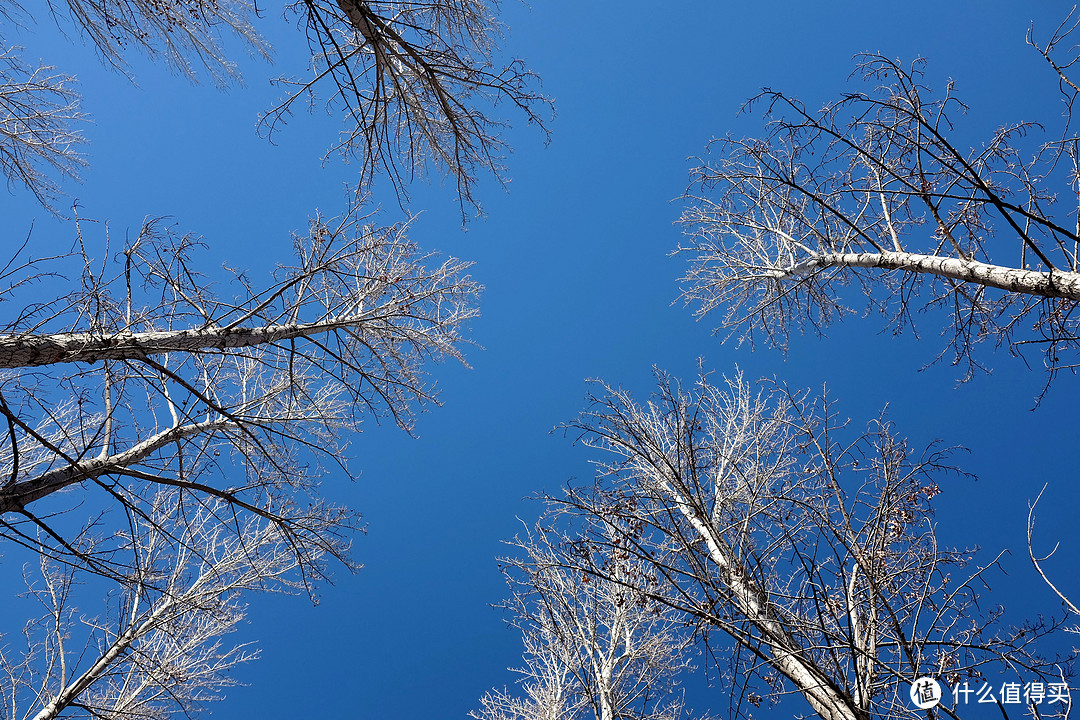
(156, 646)
(875, 190)
(188, 35)
(143, 377)
(418, 84)
(762, 522)
(38, 107)
(595, 647)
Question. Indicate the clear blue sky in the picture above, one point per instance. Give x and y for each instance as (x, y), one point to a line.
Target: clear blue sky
(574, 257)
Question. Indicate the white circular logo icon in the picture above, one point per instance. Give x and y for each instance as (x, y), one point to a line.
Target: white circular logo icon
(925, 693)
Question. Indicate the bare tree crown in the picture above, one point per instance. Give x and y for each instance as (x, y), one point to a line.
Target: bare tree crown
(145, 378)
(876, 191)
(39, 143)
(417, 84)
(156, 646)
(192, 413)
(594, 647)
(804, 547)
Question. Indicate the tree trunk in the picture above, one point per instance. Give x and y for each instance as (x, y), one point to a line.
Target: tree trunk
(1055, 283)
(19, 351)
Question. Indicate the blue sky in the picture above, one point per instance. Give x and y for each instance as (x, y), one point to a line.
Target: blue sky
(574, 255)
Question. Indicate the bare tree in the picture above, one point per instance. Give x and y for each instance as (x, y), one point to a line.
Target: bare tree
(808, 549)
(190, 35)
(157, 648)
(877, 191)
(193, 428)
(594, 647)
(143, 378)
(38, 107)
(417, 84)
(194, 425)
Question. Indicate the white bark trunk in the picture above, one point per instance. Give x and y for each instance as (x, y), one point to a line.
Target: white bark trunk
(359, 20)
(96, 671)
(754, 605)
(1055, 283)
(18, 351)
(21, 494)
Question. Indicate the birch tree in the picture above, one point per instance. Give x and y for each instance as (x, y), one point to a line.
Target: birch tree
(595, 647)
(194, 428)
(191, 412)
(806, 548)
(879, 191)
(143, 378)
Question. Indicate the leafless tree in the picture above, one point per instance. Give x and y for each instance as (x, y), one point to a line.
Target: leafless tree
(193, 424)
(807, 548)
(38, 107)
(417, 84)
(877, 190)
(594, 647)
(188, 35)
(143, 378)
(157, 648)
